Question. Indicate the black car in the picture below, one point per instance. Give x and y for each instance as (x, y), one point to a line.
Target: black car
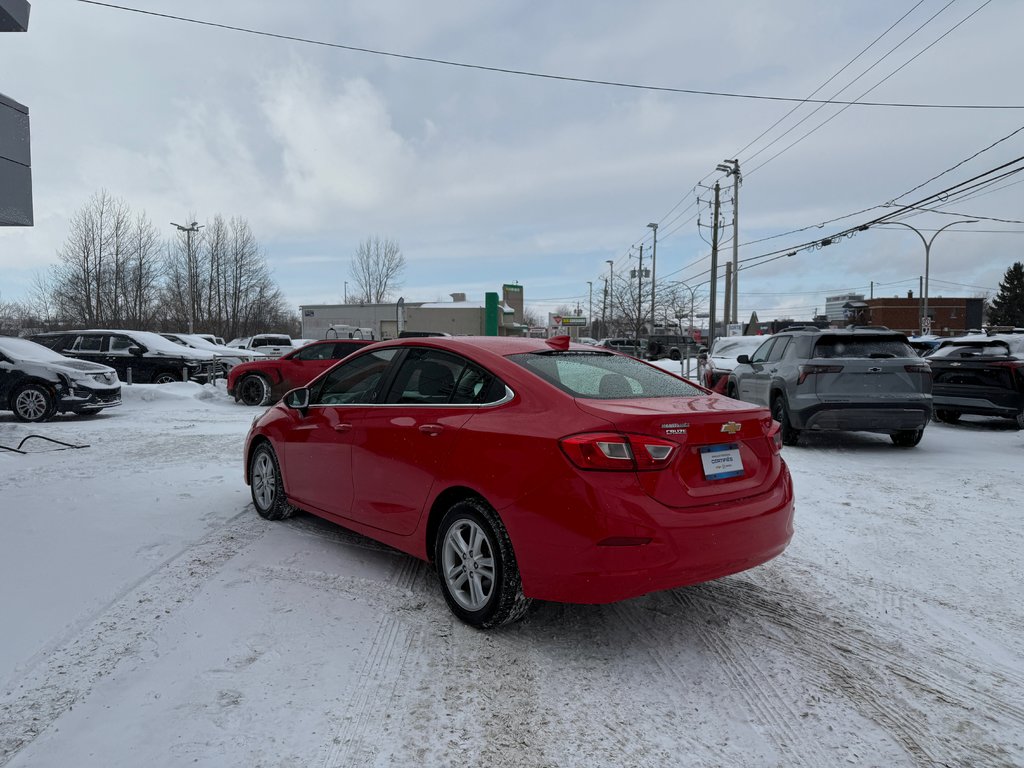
(979, 375)
(137, 356)
(674, 347)
(36, 382)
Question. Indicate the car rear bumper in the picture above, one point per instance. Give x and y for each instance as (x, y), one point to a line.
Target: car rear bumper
(866, 417)
(631, 545)
(1008, 407)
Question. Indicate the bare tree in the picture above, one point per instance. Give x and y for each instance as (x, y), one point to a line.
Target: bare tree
(377, 269)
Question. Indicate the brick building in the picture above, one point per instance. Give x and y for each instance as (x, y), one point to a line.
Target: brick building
(949, 316)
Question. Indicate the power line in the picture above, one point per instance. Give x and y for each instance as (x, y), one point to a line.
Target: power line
(543, 75)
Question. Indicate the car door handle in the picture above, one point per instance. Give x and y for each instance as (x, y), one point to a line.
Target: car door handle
(431, 429)
(342, 427)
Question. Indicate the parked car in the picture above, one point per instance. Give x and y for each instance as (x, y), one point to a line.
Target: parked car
(631, 347)
(226, 357)
(721, 358)
(528, 469)
(851, 380)
(212, 339)
(36, 382)
(260, 382)
(980, 375)
(270, 344)
(138, 357)
(674, 347)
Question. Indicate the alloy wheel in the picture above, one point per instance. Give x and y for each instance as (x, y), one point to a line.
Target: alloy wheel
(468, 565)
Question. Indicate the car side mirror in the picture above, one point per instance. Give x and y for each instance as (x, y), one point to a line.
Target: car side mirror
(297, 399)
(743, 359)
(137, 351)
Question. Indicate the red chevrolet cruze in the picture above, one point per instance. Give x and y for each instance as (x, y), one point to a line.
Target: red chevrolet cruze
(528, 468)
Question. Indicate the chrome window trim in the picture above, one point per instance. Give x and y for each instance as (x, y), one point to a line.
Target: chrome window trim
(509, 394)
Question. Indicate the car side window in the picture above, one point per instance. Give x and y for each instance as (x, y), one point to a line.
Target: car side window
(778, 350)
(761, 353)
(119, 345)
(314, 352)
(343, 349)
(426, 377)
(88, 344)
(354, 381)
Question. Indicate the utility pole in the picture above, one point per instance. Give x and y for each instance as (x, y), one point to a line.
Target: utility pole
(654, 263)
(590, 311)
(732, 167)
(639, 292)
(728, 295)
(192, 268)
(610, 287)
(714, 265)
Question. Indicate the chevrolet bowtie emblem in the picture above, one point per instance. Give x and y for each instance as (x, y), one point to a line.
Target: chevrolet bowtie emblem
(731, 427)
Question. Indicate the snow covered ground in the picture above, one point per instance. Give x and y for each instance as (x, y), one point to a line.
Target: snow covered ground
(149, 617)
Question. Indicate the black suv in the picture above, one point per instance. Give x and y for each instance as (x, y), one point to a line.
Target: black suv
(660, 346)
(137, 356)
(979, 375)
(36, 382)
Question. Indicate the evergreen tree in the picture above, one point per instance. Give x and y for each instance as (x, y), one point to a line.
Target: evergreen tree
(1008, 307)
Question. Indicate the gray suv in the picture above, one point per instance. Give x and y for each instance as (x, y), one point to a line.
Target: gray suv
(866, 380)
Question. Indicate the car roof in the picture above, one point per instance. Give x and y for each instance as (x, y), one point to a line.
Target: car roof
(501, 346)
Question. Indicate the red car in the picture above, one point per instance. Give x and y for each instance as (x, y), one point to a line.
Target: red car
(528, 468)
(262, 381)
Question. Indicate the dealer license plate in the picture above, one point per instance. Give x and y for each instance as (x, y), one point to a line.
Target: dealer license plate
(721, 461)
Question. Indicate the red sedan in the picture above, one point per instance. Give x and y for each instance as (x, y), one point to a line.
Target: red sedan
(259, 382)
(526, 468)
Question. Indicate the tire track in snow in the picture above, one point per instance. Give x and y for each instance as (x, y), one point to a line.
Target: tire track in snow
(772, 713)
(365, 721)
(895, 686)
(115, 632)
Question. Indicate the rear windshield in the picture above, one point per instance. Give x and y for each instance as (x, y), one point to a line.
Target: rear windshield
(973, 349)
(862, 346)
(271, 341)
(602, 376)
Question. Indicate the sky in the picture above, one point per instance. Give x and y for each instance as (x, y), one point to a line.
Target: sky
(168, 625)
(486, 178)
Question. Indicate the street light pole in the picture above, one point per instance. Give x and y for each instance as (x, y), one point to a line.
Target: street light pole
(590, 311)
(927, 258)
(654, 263)
(191, 269)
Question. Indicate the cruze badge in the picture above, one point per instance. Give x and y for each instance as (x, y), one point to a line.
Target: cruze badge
(675, 429)
(731, 427)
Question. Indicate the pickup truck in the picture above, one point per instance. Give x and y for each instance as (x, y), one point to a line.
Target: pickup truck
(270, 344)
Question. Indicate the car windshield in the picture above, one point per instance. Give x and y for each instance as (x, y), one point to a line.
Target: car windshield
(23, 349)
(862, 346)
(603, 376)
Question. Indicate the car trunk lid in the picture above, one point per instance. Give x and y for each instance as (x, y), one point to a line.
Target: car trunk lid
(722, 451)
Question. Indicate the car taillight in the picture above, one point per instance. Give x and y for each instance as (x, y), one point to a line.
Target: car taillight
(1016, 367)
(773, 431)
(617, 452)
(813, 370)
(918, 368)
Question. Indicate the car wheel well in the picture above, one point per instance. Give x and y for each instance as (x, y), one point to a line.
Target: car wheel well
(442, 503)
(256, 443)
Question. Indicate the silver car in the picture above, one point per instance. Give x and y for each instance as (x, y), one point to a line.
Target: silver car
(866, 380)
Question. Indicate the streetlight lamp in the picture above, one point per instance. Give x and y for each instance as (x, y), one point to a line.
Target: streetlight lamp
(190, 265)
(654, 263)
(925, 321)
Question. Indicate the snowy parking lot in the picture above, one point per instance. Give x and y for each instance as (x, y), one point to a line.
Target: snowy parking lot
(150, 617)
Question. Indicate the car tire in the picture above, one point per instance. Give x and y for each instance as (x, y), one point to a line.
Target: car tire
(730, 391)
(675, 354)
(166, 377)
(1020, 420)
(33, 403)
(267, 485)
(253, 389)
(947, 417)
(907, 438)
(780, 412)
(477, 567)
